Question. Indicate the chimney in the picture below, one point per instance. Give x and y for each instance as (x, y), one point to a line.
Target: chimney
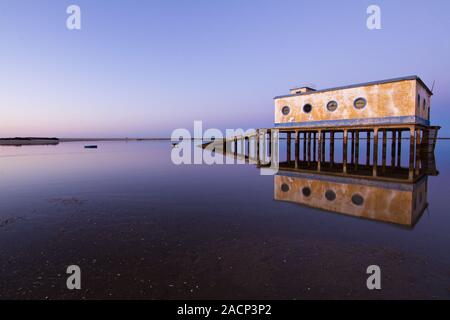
(301, 90)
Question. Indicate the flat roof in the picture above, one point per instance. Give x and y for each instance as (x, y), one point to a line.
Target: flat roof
(361, 85)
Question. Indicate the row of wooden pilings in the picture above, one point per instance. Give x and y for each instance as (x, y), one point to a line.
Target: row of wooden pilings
(314, 145)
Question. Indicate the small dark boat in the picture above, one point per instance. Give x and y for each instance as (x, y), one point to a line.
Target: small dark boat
(92, 146)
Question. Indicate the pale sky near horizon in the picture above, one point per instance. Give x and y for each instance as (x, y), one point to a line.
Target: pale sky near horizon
(144, 68)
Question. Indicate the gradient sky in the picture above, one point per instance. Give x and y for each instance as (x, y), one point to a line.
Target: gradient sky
(144, 68)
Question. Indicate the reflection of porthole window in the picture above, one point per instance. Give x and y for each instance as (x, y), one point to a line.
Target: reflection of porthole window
(284, 187)
(332, 106)
(306, 191)
(360, 103)
(330, 195)
(285, 110)
(307, 108)
(357, 200)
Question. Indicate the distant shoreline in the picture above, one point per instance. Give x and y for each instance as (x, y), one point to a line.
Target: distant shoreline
(23, 141)
(20, 141)
(110, 139)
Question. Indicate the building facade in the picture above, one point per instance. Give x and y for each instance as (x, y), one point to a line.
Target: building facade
(404, 100)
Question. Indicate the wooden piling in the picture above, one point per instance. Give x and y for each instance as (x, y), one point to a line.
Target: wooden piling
(319, 155)
(331, 148)
(314, 146)
(418, 142)
(344, 156)
(393, 145)
(399, 149)
(288, 147)
(297, 148)
(356, 149)
(324, 133)
(383, 152)
(368, 148)
(375, 152)
(309, 146)
(352, 156)
(411, 153)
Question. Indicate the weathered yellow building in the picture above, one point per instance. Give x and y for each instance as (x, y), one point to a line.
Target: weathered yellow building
(403, 101)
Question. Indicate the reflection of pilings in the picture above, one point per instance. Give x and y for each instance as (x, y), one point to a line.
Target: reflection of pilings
(235, 146)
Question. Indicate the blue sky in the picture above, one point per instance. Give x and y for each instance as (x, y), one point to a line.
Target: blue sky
(144, 68)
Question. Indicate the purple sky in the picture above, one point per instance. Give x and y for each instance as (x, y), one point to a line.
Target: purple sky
(144, 68)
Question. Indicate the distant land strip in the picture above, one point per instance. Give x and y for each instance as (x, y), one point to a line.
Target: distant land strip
(20, 141)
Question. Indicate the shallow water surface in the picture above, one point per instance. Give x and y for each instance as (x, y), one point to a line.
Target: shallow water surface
(141, 227)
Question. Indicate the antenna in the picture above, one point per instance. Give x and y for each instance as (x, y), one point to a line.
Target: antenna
(432, 87)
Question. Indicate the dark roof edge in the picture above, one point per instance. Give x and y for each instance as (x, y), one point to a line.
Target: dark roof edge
(361, 85)
(304, 87)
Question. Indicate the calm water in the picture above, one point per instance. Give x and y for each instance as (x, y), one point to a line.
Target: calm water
(140, 227)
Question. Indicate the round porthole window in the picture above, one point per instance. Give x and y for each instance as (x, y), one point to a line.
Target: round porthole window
(330, 195)
(284, 187)
(285, 110)
(357, 200)
(360, 103)
(332, 106)
(307, 108)
(306, 191)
